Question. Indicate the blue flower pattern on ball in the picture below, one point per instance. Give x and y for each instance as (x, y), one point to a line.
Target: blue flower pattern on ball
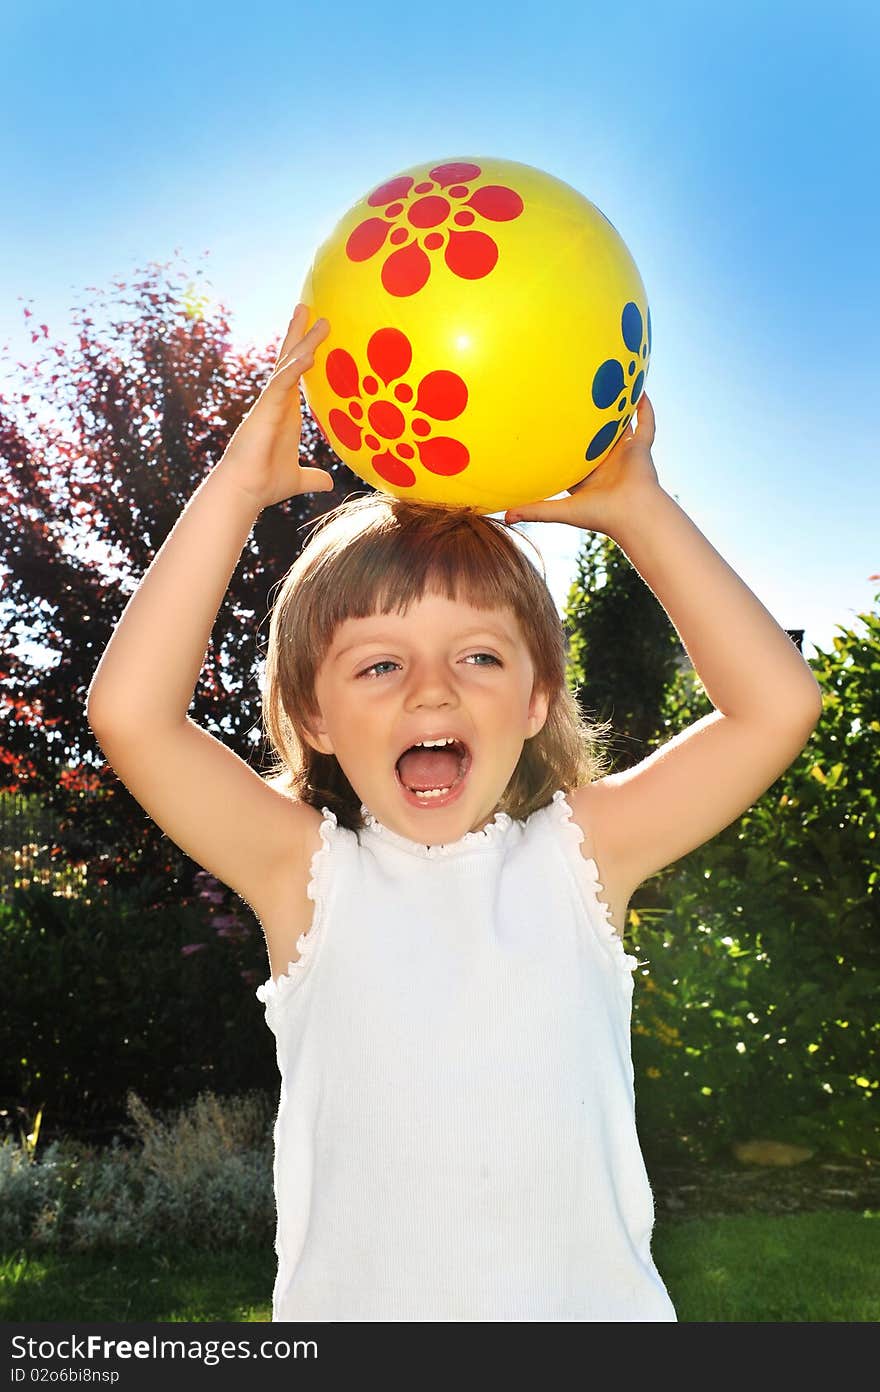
(609, 383)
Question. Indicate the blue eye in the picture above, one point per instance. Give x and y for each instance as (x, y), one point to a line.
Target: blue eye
(367, 670)
(386, 662)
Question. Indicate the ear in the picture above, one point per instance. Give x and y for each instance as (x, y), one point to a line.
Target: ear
(316, 735)
(539, 705)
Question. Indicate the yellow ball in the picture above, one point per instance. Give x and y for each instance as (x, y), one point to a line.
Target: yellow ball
(489, 335)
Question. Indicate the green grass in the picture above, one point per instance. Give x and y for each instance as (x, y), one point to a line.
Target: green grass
(797, 1267)
(771, 1268)
(188, 1286)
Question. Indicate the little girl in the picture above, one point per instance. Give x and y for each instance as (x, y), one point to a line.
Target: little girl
(449, 993)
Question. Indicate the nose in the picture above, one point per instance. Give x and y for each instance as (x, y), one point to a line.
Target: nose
(430, 684)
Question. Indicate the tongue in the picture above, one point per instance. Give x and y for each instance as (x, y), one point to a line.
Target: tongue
(428, 768)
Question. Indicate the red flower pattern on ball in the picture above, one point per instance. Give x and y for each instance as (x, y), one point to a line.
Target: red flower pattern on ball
(379, 422)
(443, 208)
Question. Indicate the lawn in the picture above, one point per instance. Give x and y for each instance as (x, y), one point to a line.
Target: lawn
(773, 1268)
(745, 1267)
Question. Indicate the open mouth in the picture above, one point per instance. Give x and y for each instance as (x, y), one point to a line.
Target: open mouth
(433, 777)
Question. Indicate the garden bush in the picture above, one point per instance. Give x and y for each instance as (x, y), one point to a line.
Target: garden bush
(757, 1012)
(107, 996)
(200, 1177)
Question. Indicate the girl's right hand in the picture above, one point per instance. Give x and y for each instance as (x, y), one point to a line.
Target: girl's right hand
(262, 458)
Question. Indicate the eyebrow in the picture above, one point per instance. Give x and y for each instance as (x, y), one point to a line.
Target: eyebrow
(505, 636)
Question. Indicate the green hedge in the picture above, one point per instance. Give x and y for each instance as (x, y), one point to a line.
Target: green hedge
(101, 998)
(758, 1014)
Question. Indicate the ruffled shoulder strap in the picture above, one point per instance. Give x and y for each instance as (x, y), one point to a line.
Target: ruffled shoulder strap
(272, 992)
(586, 872)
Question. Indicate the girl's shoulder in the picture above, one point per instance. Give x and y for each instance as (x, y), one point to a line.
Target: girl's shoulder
(588, 804)
(586, 812)
(285, 910)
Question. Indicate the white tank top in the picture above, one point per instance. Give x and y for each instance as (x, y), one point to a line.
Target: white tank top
(456, 1135)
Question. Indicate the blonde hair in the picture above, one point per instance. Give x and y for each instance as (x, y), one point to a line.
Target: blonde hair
(375, 553)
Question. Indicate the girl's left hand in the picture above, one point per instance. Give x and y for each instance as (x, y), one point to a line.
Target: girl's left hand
(606, 497)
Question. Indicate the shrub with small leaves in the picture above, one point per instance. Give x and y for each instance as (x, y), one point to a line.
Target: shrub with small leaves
(758, 1016)
(200, 1178)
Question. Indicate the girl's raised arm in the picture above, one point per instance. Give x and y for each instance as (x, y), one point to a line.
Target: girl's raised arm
(766, 699)
(210, 802)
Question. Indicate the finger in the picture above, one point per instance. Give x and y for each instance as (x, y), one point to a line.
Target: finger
(286, 375)
(302, 354)
(306, 345)
(316, 480)
(294, 334)
(647, 419)
(294, 329)
(537, 512)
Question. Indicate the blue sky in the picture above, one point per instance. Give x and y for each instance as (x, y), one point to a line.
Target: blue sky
(732, 148)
